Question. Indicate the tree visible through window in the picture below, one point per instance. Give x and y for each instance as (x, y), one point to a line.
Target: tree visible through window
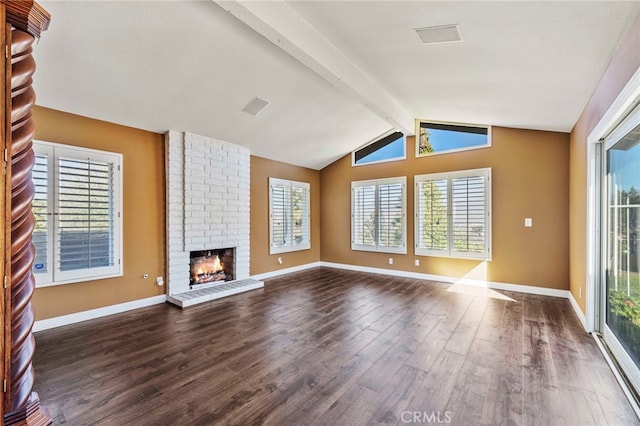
(436, 138)
(378, 219)
(289, 205)
(453, 214)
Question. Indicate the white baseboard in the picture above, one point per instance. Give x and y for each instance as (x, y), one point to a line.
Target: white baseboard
(465, 281)
(285, 271)
(578, 311)
(123, 307)
(49, 323)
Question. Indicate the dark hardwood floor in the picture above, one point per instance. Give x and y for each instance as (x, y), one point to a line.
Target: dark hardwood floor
(332, 347)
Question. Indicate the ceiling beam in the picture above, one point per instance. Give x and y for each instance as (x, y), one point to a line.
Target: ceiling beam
(284, 27)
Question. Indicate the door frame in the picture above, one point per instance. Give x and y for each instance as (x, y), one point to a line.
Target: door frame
(628, 123)
(624, 104)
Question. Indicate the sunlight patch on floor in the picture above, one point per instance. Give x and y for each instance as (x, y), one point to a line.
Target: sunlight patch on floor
(476, 283)
(476, 290)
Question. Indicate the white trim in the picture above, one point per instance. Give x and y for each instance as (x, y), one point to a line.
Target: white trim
(377, 247)
(624, 103)
(54, 322)
(289, 245)
(285, 271)
(578, 311)
(593, 239)
(626, 364)
(519, 288)
(55, 151)
(616, 372)
(449, 178)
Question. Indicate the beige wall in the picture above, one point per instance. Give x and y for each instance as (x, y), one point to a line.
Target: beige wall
(143, 215)
(261, 170)
(624, 63)
(530, 179)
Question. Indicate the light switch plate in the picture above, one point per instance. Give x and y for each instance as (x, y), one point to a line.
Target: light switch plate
(528, 222)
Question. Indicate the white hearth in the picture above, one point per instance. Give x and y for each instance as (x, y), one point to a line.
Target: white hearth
(207, 187)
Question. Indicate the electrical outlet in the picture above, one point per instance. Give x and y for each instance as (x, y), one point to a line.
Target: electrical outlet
(391, 261)
(159, 281)
(279, 261)
(417, 262)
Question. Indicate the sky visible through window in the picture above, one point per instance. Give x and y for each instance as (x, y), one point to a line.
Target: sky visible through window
(626, 164)
(392, 151)
(435, 138)
(444, 140)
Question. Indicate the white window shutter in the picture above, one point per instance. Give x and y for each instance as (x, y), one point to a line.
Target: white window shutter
(85, 218)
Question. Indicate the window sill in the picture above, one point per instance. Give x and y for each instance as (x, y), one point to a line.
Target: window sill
(480, 256)
(77, 280)
(389, 250)
(280, 250)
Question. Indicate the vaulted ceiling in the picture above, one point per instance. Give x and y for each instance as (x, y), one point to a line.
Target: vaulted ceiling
(337, 74)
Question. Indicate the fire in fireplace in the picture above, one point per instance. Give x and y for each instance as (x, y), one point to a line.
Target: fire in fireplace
(209, 266)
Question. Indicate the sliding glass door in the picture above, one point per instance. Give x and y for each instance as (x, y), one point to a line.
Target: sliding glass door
(620, 318)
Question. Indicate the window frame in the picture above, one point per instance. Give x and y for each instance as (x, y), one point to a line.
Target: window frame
(450, 251)
(54, 275)
(377, 247)
(378, 139)
(449, 151)
(289, 246)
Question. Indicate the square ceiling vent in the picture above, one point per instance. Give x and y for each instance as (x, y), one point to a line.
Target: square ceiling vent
(255, 106)
(438, 34)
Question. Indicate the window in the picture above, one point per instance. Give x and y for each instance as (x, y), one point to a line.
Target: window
(77, 207)
(388, 148)
(453, 214)
(378, 219)
(438, 138)
(289, 212)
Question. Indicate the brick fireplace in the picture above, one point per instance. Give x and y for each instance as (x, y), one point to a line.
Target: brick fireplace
(207, 187)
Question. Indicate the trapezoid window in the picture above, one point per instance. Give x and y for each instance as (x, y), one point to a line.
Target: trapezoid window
(438, 138)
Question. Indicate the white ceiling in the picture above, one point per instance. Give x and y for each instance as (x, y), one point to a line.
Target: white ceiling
(337, 74)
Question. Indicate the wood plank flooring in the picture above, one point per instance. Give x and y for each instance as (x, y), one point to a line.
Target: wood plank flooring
(333, 347)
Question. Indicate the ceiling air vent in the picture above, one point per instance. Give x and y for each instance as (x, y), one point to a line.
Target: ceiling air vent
(255, 106)
(439, 34)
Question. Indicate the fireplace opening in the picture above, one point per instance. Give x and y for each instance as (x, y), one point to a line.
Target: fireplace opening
(210, 266)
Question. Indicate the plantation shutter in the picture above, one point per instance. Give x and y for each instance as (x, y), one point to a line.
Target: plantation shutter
(85, 231)
(289, 209)
(300, 215)
(41, 208)
(279, 213)
(469, 214)
(432, 215)
(76, 206)
(390, 215)
(364, 212)
(378, 221)
(453, 214)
